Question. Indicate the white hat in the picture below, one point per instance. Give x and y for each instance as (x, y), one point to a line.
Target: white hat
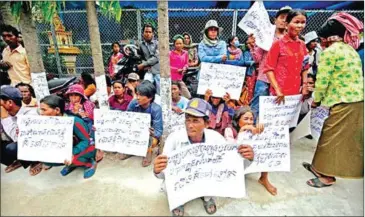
(212, 23)
(310, 36)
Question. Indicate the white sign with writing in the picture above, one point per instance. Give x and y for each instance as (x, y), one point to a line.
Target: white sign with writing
(177, 122)
(257, 22)
(40, 85)
(318, 116)
(123, 132)
(102, 92)
(271, 149)
(199, 170)
(272, 114)
(45, 139)
(221, 79)
(303, 129)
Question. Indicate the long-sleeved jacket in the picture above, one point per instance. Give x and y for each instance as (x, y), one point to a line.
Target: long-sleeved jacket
(212, 54)
(150, 55)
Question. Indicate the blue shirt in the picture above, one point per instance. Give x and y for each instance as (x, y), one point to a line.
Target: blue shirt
(182, 104)
(156, 115)
(212, 54)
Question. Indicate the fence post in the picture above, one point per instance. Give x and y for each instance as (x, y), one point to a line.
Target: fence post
(234, 23)
(57, 54)
(139, 25)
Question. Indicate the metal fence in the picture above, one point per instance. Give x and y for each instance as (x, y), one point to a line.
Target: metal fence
(130, 28)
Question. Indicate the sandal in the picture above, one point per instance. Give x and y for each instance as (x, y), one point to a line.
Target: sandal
(147, 160)
(180, 210)
(35, 169)
(208, 204)
(308, 167)
(89, 172)
(15, 165)
(317, 183)
(125, 156)
(45, 167)
(67, 170)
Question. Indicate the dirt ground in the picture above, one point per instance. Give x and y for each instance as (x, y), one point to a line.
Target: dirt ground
(126, 188)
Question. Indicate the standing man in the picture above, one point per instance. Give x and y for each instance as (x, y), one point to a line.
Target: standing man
(259, 56)
(148, 49)
(15, 57)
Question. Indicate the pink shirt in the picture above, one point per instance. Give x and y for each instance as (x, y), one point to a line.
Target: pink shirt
(178, 61)
(259, 56)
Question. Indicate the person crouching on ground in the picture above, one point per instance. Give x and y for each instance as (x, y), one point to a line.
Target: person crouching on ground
(145, 104)
(196, 122)
(83, 153)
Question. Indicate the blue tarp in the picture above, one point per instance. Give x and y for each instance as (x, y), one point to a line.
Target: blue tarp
(329, 5)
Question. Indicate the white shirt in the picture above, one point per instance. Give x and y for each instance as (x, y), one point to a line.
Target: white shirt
(10, 123)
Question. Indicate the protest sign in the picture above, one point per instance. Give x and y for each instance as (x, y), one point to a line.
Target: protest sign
(102, 92)
(271, 149)
(45, 139)
(257, 22)
(199, 170)
(221, 79)
(40, 85)
(272, 114)
(318, 116)
(123, 132)
(303, 129)
(177, 122)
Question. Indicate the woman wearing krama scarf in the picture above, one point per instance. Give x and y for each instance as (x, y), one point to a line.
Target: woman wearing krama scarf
(339, 86)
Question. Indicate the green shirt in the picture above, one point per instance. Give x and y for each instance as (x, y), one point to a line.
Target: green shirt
(339, 76)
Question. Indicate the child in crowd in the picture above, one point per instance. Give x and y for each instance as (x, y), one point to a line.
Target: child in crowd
(179, 102)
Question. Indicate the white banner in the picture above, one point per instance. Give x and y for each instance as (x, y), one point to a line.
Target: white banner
(271, 149)
(123, 132)
(303, 129)
(199, 170)
(221, 79)
(177, 122)
(272, 114)
(257, 22)
(40, 85)
(318, 116)
(102, 92)
(45, 139)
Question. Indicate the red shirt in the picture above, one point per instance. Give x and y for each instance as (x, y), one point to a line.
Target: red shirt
(285, 59)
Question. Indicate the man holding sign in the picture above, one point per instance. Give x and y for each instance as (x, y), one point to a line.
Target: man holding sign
(196, 122)
(259, 56)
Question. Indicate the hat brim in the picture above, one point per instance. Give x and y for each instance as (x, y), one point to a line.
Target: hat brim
(285, 11)
(220, 29)
(194, 113)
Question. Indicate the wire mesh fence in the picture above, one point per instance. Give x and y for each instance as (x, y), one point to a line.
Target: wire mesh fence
(129, 29)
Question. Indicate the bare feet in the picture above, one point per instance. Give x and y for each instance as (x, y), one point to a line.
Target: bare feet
(269, 187)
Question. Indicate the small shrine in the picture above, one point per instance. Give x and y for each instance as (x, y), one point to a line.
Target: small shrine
(65, 45)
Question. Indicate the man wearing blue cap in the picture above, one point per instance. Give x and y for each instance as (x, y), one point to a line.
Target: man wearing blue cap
(11, 100)
(196, 122)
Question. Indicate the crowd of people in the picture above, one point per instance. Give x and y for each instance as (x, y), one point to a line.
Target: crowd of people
(322, 65)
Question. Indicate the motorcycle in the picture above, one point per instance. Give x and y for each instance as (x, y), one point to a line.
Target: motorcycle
(59, 86)
(191, 80)
(128, 63)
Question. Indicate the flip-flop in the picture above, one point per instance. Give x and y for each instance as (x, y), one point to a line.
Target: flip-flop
(98, 154)
(15, 165)
(208, 204)
(45, 167)
(180, 209)
(147, 160)
(308, 167)
(316, 183)
(89, 172)
(35, 169)
(67, 170)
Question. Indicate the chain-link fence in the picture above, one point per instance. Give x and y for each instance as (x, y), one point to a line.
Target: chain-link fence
(130, 30)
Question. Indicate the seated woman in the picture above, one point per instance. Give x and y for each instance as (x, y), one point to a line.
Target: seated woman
(179, 102)
(221, 115)
(243, 120)
(120, 100)
(83, 152)
(80, 105)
